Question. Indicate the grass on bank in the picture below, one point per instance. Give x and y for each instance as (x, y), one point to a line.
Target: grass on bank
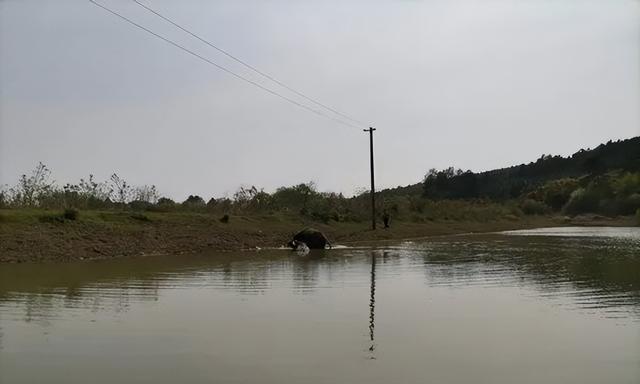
(480, 215)
(416, 212)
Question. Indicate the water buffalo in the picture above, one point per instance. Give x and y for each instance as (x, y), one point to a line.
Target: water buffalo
(313, 238)
(298, 246)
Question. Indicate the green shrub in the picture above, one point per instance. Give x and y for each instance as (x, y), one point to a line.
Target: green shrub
(336, 216)
(417, 204)
(418, 219)
(511, 217)
(556, 193)
(514, 209)
(610, 207)
(166, 201)
(627, 184)
(194, 202)
(321, 216)
(70, 214)
(582, 201)
(140, 217)
(534, 207)
(630, 204)
(140, 205)
(4, 200)
(620, 206)
(320, 210)
(163, 204)
(51, 218)
(224, 219)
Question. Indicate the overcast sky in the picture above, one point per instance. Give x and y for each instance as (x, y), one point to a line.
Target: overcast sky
(472, 84)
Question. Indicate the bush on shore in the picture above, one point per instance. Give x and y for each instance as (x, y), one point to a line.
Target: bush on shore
(533, 207)
(70, 214)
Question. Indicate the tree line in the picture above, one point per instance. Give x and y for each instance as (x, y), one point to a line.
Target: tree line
(513, 182)
(603, 180)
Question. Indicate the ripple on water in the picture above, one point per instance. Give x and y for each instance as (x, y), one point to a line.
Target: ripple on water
(414, 308)
(632, 233)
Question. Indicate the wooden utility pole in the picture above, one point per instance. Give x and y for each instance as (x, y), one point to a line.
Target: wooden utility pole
(373, 185)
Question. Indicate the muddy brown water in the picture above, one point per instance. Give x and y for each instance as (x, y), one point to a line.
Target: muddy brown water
(543, 306)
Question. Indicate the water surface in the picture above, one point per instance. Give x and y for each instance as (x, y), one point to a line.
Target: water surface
(553, 306)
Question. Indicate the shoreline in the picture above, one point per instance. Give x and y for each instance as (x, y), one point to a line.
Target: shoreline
(26, 238)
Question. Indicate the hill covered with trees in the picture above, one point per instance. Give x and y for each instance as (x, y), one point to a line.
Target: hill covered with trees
(605, 180)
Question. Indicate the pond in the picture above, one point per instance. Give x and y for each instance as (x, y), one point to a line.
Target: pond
(543, 306)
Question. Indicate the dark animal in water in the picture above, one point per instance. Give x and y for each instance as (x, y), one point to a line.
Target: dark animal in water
(299, 247)
(313, 238)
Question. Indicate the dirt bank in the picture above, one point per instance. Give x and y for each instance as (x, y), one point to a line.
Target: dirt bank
(43, 236)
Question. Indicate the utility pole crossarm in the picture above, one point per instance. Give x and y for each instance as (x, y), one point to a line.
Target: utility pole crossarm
(373, 185)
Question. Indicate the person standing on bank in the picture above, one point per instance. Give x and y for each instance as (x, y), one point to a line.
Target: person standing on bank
(386, 218)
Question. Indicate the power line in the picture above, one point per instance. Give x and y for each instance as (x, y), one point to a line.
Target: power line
(175, 24)
(221, 67)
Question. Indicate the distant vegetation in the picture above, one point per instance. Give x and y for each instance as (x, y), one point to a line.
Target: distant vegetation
(37, 190)
(604, 180)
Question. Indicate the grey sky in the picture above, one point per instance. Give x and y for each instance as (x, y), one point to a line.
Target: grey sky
(473, 84)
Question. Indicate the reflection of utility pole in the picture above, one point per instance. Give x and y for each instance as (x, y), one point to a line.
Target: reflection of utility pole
(373, 186)
(372, 302)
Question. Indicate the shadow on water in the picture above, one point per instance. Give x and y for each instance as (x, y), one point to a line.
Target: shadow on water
(372, 305)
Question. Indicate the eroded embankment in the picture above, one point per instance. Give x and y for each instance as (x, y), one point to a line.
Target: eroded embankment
(26, 237)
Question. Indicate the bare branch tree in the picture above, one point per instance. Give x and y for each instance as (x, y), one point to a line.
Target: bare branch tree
(146, 193)
(90, 188)
(120, 190)
(31, 189)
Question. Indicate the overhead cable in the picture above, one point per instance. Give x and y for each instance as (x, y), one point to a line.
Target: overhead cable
(251, 67)
(230, 72)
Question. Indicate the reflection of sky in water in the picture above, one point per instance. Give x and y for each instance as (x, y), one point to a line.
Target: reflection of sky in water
(447, 299)
(604, 232)
(598, 270)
